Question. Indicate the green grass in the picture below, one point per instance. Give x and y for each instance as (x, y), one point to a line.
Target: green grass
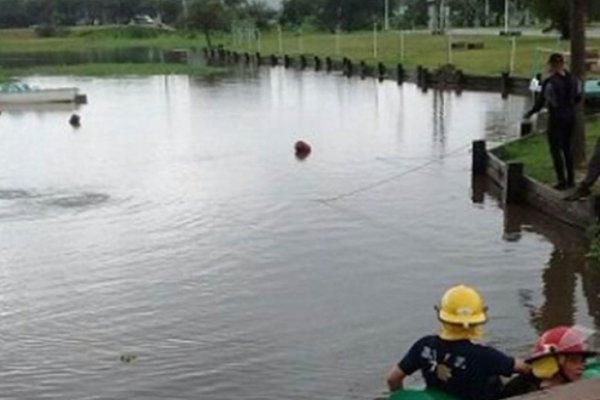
(109, 37)
(534, 153)
(113, 70)
(420, 48)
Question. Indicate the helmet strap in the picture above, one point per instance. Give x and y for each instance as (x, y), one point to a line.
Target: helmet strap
(561, 371)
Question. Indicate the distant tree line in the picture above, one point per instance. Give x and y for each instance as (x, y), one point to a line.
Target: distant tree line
(211, 15)
(360, 14)
(23, 13)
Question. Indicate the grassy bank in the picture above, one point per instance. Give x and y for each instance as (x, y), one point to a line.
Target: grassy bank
(113, 70)
(420, 48)
(534, 153)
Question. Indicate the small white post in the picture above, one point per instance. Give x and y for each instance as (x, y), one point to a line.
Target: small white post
(449, 38)
(402, 45)
(337, 40)
(280, 39)
(513, 53)
(258, 41)
(375, 40)
(300, 42)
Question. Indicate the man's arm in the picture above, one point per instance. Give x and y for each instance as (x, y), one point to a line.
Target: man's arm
(540, 100)
(395, 378)
(521, 366)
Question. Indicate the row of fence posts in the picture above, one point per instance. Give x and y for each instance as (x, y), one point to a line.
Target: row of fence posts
(348, 67)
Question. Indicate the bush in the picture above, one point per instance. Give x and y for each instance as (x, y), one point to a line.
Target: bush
(124, 32)
(593, 234)
(45, 30)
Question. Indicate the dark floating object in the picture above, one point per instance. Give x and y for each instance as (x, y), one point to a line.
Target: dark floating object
(302, 149)
(75, 120)
(80, 99)
(128, 358)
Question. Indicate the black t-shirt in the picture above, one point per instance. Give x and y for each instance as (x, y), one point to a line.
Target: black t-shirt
(520, 385)
(461, 368)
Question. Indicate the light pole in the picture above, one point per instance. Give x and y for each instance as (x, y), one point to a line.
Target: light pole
(386, 23)
(184, 9)
(506, 17)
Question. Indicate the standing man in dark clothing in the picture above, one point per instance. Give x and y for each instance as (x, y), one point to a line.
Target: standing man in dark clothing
(560, 93)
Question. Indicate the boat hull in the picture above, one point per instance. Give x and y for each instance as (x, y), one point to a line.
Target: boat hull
(61, 95)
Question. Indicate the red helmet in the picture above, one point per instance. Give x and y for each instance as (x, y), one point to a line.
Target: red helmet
(560, 340)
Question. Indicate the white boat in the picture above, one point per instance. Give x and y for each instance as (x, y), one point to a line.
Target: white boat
(14, 93)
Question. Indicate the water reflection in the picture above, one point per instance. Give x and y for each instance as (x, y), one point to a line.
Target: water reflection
(38, 107)
(566, 267)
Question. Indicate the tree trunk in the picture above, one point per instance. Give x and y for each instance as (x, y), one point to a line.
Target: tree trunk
(565, 24)
(578, 8)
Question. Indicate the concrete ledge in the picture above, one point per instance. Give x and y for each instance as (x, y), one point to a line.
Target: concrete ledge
(582, 390)
(580, 214)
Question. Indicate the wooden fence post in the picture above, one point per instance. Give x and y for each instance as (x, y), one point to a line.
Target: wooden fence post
(479, 162)
(400, 74)
(513, 182)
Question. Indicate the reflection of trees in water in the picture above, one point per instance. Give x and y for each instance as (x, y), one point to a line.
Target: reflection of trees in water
(559, 291)
(590, 277)
(567, 261)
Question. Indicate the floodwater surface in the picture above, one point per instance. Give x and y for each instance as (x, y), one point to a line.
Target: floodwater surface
(173, 247)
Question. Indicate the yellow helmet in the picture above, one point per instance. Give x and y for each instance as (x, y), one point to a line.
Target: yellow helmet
(462, 306)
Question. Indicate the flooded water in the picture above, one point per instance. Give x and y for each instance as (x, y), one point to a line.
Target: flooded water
(173, 246)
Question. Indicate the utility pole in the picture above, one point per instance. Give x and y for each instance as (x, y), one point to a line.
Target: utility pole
(184, 9)
(506, 17)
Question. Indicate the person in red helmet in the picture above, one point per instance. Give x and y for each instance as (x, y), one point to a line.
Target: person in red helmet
(558, 357)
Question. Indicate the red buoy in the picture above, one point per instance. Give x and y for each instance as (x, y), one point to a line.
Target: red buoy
(302, 149)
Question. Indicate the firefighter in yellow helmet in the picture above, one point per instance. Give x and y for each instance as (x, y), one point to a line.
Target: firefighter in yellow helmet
(450, 361)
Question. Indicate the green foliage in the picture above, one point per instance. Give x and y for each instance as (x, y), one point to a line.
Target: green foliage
(45, 30)
(558, 13)
(259, 13)
(124, 32)
(207, 15)
(593, 234)
(297, 12)
(109, 69)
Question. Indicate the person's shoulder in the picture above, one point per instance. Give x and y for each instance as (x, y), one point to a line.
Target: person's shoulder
(487, 349)
(427, 339)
